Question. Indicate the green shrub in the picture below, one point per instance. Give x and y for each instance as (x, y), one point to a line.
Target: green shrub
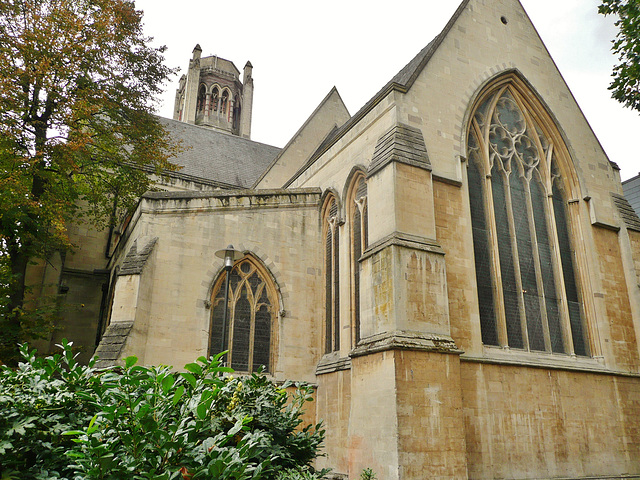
(39, 400)
(63, 420)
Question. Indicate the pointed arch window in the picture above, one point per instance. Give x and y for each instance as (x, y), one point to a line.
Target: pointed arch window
(215, 96)
(525, 264)
(332, 275)
(224, 102)
(357, 198)
(251, 316)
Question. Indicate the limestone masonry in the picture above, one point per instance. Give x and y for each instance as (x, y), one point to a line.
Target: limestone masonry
(455, 267)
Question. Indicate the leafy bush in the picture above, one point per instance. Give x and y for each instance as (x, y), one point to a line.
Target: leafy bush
(39, 400)
(151, 423)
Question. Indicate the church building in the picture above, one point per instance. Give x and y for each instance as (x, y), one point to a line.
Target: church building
(454, 267)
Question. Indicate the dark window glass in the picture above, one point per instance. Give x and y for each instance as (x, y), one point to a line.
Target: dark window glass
(250, 319)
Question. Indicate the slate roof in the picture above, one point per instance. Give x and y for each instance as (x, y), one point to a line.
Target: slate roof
(631, 188)
(220, 158)
(627, 213)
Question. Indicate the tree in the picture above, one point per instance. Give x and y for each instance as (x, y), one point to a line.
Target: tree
(626, 74)
(77, 88)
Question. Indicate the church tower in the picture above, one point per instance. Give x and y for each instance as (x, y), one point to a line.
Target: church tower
(212, 95)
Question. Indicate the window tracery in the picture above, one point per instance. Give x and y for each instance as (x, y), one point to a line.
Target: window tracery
(527, 287)
(251, 315)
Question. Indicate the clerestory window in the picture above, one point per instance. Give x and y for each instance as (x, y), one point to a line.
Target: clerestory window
(332, 275)
(357, 198)
(250, 317)
(528, 290)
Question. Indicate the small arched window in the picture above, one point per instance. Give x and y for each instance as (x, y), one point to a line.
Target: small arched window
(332, 274)
(215, 96)
(527, 285)
(202, 99)
(251, 317)
(224, 102)
(357, 211)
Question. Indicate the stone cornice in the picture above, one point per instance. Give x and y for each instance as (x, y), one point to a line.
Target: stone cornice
(403, 240)
(405, 340)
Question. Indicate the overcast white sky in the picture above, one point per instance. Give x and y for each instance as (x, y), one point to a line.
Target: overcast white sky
(299, 50)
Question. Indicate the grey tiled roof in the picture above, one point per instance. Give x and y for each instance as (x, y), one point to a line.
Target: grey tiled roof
(221, 158)
(631, 188)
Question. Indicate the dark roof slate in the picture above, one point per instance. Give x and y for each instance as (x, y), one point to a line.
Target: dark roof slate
(219, 158)
(626, 211)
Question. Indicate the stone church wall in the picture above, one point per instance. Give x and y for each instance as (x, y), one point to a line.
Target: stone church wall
(190, 228)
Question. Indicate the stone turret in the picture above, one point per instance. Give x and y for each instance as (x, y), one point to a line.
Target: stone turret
(212, 95)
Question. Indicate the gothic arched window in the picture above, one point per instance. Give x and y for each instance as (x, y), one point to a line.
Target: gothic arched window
(525, 266)
(357, 208)
(213, 105)
(224, 102)
(332, 274)
(202, 99)
(250, 318)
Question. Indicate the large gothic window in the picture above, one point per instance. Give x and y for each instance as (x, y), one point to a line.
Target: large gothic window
(251, 315)
(332, 274)
(525, 265)
(357, 207)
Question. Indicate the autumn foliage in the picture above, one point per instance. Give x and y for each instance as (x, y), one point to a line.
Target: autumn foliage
(78, 81)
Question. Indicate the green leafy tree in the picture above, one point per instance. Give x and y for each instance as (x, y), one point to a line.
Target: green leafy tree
(626, 74)
(77, 87)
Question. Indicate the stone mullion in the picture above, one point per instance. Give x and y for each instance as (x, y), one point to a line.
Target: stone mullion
(207, 100)
(252, 321)
(498, 294)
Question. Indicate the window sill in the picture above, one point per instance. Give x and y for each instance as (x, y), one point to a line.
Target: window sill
(555, 361)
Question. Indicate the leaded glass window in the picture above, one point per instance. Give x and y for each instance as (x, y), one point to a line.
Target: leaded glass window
(358, 216)
(528, 292)
(249, 326)
(332, 276)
